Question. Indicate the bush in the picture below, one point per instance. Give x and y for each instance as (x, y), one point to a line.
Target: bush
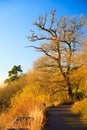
(30, 102)
(80, 108)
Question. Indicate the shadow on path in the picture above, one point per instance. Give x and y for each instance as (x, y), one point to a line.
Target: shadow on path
(60, 118)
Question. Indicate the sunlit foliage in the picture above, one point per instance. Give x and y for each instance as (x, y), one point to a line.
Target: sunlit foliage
(80, 108)
(10, 89)
(29, 102)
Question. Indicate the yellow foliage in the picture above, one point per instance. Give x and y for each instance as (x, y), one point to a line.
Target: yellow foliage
(29, 102)
(80, 107)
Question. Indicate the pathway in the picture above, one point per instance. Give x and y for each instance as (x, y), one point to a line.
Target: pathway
(60, 118)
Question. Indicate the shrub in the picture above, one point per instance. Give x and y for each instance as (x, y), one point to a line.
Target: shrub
(80, 108)
(29, 102)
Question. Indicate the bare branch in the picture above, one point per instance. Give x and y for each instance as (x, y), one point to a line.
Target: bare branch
(52, 20)
(35, 38)
(44, 51)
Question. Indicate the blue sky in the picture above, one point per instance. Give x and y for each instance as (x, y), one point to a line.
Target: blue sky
(16, 21)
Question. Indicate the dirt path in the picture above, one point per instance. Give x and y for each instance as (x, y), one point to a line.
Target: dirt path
(60, 118)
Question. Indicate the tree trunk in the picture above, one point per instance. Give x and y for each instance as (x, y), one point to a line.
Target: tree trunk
(70, 93)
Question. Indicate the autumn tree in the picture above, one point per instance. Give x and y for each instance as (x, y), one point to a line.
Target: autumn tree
(50, 79)
(62, 39)
(49, 76)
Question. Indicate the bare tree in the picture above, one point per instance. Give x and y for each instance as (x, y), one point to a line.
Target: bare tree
(64, 37)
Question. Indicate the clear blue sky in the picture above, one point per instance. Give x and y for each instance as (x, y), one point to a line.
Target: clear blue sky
(16, 18)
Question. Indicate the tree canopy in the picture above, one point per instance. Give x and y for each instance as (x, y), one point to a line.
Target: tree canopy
(13, 73)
